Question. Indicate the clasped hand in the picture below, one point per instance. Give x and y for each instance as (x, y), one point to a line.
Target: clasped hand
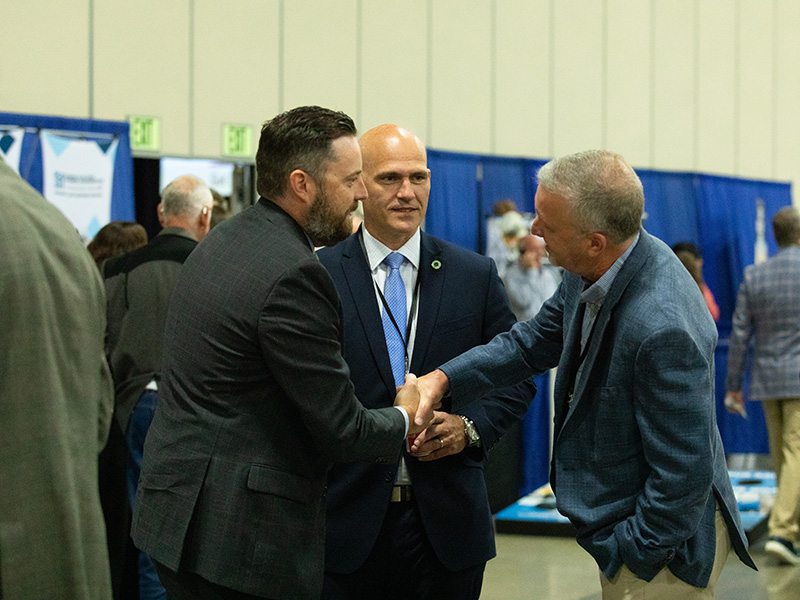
(419, 397)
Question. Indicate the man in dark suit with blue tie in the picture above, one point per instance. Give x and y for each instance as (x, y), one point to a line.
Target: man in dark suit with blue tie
(419, 527)
(255, 401)
(638, 464)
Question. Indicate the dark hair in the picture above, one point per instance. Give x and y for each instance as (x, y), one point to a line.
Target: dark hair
(786, 226)
(298, 139)
(687, 247)
(222, 209)
(118, 237)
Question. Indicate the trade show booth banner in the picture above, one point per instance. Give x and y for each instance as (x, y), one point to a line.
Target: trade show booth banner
(82, 166)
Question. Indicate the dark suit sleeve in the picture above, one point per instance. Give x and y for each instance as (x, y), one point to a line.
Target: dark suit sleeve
(673, 380)
(299, 330)
(498, 410)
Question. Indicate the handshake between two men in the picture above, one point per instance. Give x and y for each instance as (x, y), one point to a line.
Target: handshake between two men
(438, 434)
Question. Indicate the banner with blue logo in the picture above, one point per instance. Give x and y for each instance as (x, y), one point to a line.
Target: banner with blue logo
(78, 177)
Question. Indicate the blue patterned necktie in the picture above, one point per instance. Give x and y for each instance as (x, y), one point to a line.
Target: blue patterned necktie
(395, 294)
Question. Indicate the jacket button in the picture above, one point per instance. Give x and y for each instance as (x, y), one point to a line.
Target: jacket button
(387, 478)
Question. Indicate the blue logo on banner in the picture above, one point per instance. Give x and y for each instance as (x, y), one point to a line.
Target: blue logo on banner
(58, 144)
(6, 142)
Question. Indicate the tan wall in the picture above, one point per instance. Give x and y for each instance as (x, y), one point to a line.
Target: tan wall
(706, 85)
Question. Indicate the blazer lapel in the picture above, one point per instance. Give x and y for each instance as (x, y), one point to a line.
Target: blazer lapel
(431, 272)
(362, 289)
(632, 266)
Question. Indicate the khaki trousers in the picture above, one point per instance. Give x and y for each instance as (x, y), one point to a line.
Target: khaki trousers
(782, 417)
(665, 586)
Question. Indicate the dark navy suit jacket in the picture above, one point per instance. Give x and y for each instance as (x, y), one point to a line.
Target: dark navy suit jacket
(462, 303)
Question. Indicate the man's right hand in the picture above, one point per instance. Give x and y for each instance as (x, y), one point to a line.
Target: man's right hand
(408, 398)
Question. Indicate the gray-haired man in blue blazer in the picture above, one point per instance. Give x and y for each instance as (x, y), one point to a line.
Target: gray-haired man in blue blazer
(638, 464)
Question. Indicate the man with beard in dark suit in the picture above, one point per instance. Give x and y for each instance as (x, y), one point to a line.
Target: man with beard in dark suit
(256, 399)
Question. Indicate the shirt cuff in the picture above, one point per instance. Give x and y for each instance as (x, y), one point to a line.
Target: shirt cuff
(405, 419)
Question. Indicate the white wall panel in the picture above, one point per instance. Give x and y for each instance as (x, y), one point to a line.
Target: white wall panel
(394, 65)
(45, 62)
(628, 80)
(522, 111)
(717, 90)
(319, 54)
(141, 65)
(787, 94)
(577, 75)
(756, 94)
(461, 75)
(236, 67)
(674, 88)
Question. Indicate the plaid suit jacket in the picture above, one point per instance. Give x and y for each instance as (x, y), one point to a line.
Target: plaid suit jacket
(767, 309)
(638, 464)
(256, 403)
(56, 399)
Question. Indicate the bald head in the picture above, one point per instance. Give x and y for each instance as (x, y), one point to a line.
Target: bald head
(187, 203)
(398, 183)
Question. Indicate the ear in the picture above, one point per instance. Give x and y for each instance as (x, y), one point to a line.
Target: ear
(203, 223)
(160, 211)
(597, 243)
(302, 185)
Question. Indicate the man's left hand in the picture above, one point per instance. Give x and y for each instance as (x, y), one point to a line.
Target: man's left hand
(443, 437)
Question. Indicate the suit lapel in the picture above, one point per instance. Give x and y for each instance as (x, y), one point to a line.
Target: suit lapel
(431, 279)
(632, 266)
(362, 289)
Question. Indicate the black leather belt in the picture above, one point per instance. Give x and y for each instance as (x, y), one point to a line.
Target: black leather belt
(402, 493)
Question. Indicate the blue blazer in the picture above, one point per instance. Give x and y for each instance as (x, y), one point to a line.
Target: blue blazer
(462, 303)
(638, 464)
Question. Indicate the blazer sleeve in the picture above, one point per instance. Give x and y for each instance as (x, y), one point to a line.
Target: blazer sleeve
(741, 330)
(529, 348)
(299, 328)
(499, 409)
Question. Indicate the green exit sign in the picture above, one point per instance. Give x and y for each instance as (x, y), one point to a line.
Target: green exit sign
(237, 140)
(145, 133)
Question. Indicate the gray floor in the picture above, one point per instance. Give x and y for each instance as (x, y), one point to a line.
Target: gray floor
(549, 568)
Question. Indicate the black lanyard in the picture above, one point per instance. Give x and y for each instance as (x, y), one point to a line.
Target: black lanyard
(411, 314)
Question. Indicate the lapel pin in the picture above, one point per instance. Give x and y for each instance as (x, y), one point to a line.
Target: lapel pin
(436, 264)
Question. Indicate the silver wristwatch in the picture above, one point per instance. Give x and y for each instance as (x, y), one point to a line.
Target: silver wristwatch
(471, 433)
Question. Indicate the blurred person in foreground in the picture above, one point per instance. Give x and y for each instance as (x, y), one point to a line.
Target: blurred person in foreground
(768, 310)
(139, 286)
(255, 398)
(529, 282)
(56, 399)
(419, 526)
(638, 464)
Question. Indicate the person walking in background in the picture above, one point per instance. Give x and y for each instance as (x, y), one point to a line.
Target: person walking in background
(418, 526)
(255, 402)
(638, 464)
(139, 285)
(768, 311)
(56, 399)
(529, 282)
(691, 258)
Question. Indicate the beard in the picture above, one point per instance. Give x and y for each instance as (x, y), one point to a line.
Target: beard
(323, 226)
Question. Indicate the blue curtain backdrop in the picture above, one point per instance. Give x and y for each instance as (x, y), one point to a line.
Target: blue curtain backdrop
(30, 164)
(717, 214)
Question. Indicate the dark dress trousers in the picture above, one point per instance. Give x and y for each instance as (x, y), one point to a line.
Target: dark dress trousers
(462, 303)
(255, 404)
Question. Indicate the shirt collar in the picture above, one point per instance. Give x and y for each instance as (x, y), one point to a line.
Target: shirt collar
(596, 293)
(377, 250)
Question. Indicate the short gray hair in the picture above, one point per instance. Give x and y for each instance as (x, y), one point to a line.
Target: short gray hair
(186, 196)
(604, 191)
